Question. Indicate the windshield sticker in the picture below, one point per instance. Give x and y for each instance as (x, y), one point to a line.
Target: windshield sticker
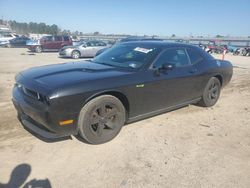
(143, 50)
(140, 85)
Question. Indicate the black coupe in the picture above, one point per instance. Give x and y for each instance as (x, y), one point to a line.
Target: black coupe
(126, 83)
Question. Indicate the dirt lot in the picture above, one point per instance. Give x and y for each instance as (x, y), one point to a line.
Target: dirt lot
(190, 147)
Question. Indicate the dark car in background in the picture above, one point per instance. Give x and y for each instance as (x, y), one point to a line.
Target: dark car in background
(129, 82)
(18, 42)
(50, 43)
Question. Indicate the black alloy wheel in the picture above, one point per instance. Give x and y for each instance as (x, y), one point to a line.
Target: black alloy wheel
(101, 119)
(211, 93)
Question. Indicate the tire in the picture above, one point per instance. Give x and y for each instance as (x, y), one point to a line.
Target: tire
(211, 93)
(8, 45)
(75, 54)
(235, 53)
(244, 52)
(38, 49)
(101, 119)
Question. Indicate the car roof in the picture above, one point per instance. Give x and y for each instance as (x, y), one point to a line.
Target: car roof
(135, 38)
(160, 44)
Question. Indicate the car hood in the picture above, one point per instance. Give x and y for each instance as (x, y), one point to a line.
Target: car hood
(67, 47)
(52, 77)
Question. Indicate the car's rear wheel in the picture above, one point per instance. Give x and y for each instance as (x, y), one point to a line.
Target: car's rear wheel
(211, 93)
(75, 54)
(38, 49)
(101, 119)
(244, 52)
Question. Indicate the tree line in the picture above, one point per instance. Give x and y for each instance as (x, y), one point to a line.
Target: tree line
(24, 28)
(32, 27)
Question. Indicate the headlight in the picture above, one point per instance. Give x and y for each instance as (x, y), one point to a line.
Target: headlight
(18, 85)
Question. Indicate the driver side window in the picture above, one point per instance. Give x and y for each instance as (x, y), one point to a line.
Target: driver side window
(177, 57)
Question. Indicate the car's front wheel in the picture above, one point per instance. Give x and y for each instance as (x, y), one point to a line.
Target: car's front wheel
(38, 49)
(8, 45)
(101, 119)
(75, 54)
(211, 93)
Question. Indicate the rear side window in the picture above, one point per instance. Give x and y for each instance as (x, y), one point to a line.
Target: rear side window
(89, 44)
(177, 57)
(195, 57)
(100, 43)
(48, 38)
(66, 38)
(58, 38)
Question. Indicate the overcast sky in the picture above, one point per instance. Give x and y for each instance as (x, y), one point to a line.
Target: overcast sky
(136, 17)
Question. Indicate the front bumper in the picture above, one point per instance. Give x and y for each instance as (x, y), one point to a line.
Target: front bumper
(65, 53)
(40, 118)
(31, 47)
(33, 126)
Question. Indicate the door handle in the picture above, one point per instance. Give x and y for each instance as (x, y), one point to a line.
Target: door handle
(192, 71)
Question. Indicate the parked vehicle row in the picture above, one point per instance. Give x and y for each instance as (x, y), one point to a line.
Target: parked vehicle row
(213, 47)
(5, 38)
(240, 51)
(64, 45)
(92, 48)
(18, 42)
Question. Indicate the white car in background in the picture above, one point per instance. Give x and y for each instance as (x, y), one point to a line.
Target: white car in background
(5, 38)
(83, 49)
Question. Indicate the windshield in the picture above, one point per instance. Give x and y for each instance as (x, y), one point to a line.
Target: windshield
(128, 55)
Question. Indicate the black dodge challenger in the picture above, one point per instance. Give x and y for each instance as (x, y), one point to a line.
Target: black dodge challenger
(126, 83)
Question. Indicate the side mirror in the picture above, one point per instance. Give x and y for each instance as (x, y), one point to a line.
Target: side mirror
(167, 66)
(164, 68)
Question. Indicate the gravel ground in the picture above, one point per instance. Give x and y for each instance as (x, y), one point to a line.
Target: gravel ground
(189, 147)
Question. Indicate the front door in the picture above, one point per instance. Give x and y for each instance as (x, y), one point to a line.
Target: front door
(89, 49)
(166, 88)
(47, 42)
(57, 44)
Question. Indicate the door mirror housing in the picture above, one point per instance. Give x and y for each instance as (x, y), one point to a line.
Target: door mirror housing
(164, 68)
(167, 66)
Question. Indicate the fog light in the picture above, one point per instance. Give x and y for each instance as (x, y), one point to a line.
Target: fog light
(66, 122)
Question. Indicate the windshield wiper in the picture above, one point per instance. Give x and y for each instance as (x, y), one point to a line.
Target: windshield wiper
(103, 63)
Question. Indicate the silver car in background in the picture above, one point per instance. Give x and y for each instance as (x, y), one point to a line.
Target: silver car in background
(84, 49)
